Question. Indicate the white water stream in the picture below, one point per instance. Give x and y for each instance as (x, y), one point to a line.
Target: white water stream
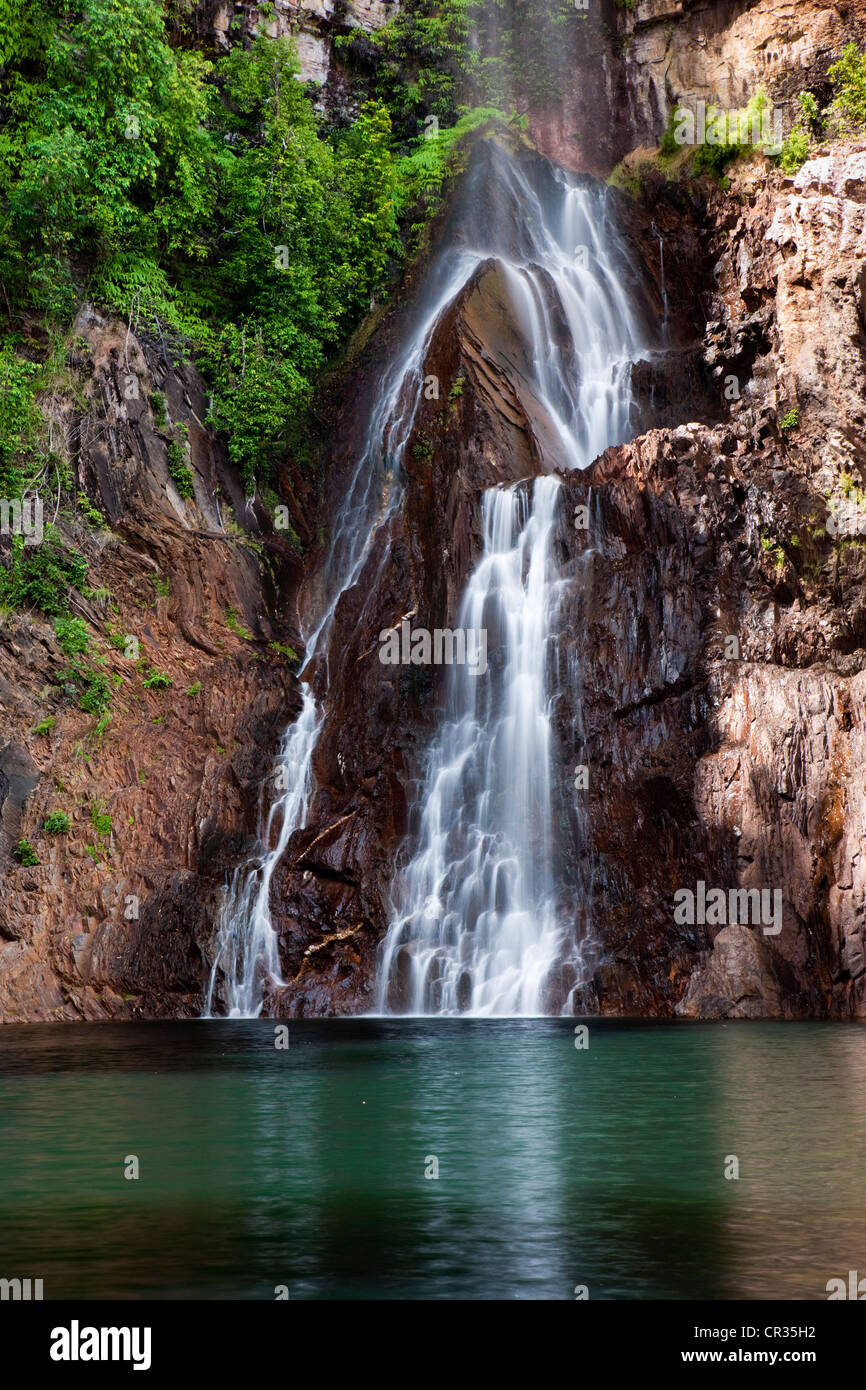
(478, 925)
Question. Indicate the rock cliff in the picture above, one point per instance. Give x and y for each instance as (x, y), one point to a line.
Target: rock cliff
(105, 925)
(716, 609)
(735, 761)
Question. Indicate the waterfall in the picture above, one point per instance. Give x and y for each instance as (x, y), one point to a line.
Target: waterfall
(662, 285)
(477, 912)
(246, 955)
(479, 923)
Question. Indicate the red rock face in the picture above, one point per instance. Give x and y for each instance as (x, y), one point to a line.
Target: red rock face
(107, 924)
(630, 66)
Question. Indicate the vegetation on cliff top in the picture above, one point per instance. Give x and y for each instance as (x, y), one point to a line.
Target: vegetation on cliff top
(205, 195)
(212, 203)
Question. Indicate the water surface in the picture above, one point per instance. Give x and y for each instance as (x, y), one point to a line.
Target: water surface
(557, 1167)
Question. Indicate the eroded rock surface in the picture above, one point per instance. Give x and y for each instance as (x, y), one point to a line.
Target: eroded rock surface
(107, 924)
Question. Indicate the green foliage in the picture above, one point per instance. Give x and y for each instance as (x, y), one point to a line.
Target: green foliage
(212, 202)
(790, 420)
(774, 553)
(102, 596)
(26, 854)
(91, 686)
(669, 146)
(93, 515)
(56, 824)
(44, 727)
(101, 724)
(117, 639)
(41, 576)
(439, 57)
(845, 117)
(163, 587)
(20, 419)
(180, 471)
(282, 649)
(100, 820)
(97, 694)
(157, 405)
(711, 156)
(104, 151)
(73, 636)
(310, 227)
(848, 75)
(795, 150)
(257, 394)
(423, 447)
(170, 184)
(713, 159)
(434, 158)
(235, 626)
(194, 689)
(728, 134)
(421, 63)
(850, 488)
(156, 680)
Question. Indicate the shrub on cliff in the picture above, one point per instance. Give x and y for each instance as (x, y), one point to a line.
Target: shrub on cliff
(848, 108)
(845, 117)
(20, 421)
(795, 150)
(41, 576)
(181, 473)
(73, 637)
(433, 159)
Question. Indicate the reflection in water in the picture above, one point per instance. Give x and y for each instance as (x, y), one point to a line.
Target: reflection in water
(557, 1167)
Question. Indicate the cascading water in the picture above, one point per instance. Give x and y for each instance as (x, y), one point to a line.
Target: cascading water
(479, 926)
(246, 955)
(478, 911)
